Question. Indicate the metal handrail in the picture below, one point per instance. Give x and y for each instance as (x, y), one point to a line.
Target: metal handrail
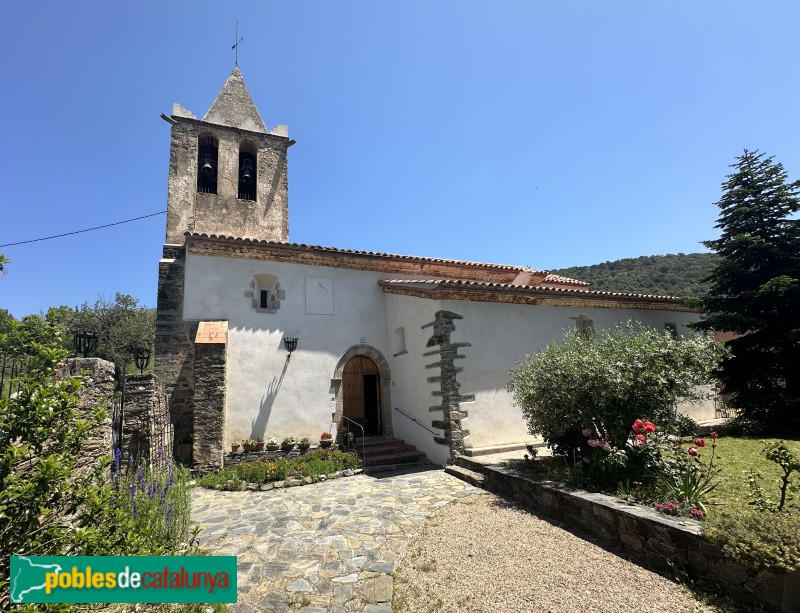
(414, 419)
(363, 436)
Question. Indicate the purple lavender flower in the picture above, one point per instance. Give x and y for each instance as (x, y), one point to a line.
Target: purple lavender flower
(135, 516)
(595, 442)
(130, 459)
(606, 446)
(169, 513)
(132, 490)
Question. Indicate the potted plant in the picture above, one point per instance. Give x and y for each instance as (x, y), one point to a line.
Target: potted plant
(260, 443)
(304, 443)
(325, 439)
(272, 444)
(288, 443)
(248, 444)
(235, 447)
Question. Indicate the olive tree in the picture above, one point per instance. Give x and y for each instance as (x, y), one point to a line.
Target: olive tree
(609, 379)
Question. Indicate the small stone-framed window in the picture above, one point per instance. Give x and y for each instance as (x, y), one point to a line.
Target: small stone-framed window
(265, 293)
(399, 342)
(207, 163)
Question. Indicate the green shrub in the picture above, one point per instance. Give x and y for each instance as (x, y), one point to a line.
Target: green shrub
(312, 464)
(756, 540)
(47, 507)
(607, 380)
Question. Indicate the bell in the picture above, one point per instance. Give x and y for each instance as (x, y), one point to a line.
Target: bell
(246, 175)
(207, 169)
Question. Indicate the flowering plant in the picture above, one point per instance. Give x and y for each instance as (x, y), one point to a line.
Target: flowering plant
(325, 436)
(289, 440)
(272, 441)
(686, 479)
(305, 440)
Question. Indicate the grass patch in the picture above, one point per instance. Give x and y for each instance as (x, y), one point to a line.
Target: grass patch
(735, 457)
(312, 464)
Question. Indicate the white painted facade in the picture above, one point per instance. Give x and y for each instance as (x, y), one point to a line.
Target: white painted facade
(270, 395)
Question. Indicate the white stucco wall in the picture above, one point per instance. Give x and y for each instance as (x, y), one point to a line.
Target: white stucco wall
(502, 335)
(269, 396)
(411, 391)
(266, 394)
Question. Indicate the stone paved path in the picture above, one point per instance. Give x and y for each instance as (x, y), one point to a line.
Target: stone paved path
(330, 546)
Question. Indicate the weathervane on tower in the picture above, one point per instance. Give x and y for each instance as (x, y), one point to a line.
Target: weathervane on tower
(237, 40)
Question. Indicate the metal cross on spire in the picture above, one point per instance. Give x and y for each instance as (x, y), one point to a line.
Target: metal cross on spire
(237, 40)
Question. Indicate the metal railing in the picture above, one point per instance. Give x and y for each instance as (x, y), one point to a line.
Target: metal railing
(11, 367)
(347, 422)
(416, 421)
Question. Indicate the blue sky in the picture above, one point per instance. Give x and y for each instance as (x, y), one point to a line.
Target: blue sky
(542, 134)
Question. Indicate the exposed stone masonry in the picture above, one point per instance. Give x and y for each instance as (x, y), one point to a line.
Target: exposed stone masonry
(452, 413)
(209, 395)
(174, 354)
(97, 389)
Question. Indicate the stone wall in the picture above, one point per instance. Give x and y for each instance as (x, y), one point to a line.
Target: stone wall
(451, 397)
(174, 353)
(97, 389)
(266, 217)
(209, 395)
(678, 542)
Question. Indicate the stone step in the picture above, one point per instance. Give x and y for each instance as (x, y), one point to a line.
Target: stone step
(469, 464)
(378, 441)
(390, 447)
(470, 476)
(400, 457)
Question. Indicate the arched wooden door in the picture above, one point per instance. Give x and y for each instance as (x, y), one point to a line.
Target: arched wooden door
(361, 394)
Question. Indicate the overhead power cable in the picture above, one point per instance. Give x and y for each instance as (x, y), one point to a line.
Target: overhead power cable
(108, 225)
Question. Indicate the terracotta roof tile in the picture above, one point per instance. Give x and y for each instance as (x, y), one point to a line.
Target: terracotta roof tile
(528, 288)
(303, 246)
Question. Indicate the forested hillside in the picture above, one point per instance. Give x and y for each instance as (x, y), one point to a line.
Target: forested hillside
(671, 275)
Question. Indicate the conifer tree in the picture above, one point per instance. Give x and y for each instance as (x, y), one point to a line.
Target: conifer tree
(755, 291)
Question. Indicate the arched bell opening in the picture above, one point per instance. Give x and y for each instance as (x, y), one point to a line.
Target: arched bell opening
(207, 163)
(248, 172)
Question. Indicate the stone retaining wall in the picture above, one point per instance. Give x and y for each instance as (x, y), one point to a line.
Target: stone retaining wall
(675, 541)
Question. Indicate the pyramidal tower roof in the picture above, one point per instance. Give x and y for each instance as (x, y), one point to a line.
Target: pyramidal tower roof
(234, 106)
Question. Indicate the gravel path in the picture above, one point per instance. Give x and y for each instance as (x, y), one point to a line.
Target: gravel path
(483, 553)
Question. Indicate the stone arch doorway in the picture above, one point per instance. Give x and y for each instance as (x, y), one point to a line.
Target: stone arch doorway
(362, 382)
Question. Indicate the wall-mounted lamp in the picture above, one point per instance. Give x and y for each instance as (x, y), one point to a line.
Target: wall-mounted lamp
(85, 342)
(291, 344)
(142, 359)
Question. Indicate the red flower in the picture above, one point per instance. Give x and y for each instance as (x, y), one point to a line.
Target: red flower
(640, 437)
(699, 442)
(692, 452)
(637, 425)
(713, 435)
(649, 427)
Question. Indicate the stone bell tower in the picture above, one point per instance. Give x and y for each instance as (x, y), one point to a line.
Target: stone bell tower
(227, 172)
(227, 176)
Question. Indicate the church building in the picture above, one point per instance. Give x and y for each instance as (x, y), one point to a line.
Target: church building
(258, 336)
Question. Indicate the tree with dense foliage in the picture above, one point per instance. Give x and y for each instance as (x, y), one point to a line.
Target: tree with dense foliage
(607, 380)
(3, 261)
(755, 291)
(49, 506)
(122, 326)
(674, 274)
